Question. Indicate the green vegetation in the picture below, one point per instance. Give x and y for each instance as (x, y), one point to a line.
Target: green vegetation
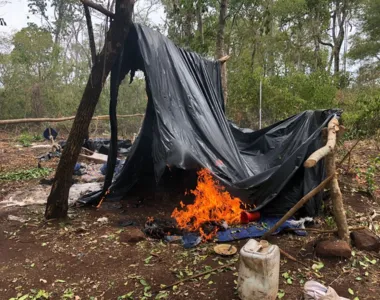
(290, 46)
(26, 139)
(33, 173)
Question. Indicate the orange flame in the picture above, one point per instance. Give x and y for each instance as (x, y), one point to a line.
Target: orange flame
(212, 204)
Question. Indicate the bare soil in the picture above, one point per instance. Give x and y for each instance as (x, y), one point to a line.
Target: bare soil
(81, 258)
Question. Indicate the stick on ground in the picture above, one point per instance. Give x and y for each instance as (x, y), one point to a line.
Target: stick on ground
(348, 153)
(197, 275)
(292, 258)
(325, 231)
(299, 204)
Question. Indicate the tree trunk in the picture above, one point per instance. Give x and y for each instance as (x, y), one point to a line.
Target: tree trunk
(57, 203)
(220, 44)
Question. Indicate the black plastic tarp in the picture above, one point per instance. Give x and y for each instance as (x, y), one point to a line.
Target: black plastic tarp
(185, 127)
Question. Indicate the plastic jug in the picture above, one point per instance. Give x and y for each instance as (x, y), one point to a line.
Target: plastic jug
(259, 271)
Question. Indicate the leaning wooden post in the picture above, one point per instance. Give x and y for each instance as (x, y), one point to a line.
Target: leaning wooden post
(299, 204)
(328, 151)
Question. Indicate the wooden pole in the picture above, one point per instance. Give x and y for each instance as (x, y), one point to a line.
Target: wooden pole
(299, 204)
(63, 119)
(223, 59)
(337, 200)
(333, 128)
(328, 151)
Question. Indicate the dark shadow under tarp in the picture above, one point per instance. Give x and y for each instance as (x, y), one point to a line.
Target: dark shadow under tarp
(185, 127)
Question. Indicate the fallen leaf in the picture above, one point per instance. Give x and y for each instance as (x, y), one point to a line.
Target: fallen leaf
(147, 260)
(143, 282)
(162, 295)
(317, 266)
(280, 294)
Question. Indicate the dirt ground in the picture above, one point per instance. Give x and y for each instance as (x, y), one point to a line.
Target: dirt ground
(82, 258)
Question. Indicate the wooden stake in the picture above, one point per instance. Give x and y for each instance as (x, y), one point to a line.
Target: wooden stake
(299, 204)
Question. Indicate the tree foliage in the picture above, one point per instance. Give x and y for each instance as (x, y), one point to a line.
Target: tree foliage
(296, 48)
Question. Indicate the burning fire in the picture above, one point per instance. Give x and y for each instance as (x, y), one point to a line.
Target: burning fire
(212, 204)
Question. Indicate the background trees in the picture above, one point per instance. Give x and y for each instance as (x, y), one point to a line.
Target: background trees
(308, 54)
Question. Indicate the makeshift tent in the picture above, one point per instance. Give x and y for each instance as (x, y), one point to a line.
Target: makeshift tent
(185, 127)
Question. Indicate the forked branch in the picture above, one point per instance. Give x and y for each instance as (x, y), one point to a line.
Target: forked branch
(98, 7)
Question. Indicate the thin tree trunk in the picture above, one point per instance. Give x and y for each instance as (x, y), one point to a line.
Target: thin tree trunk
(200, 22)
(59, 21)
(220, 44)
(57, 204)
(91, 38)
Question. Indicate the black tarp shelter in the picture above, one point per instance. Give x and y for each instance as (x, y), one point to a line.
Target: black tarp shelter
(185, 127)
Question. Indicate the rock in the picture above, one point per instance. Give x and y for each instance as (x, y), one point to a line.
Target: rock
(132, 235)
(365, 240)
(336, 248)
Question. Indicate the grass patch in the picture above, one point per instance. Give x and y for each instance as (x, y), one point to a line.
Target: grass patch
(27, 139)
(26, 174)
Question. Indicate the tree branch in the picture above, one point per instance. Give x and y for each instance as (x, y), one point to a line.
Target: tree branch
(325, 43)
(98, 7)
(91, 38)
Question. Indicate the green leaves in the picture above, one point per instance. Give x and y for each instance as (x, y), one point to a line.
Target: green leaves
(280, 294)
(26, 174)
(317, 266)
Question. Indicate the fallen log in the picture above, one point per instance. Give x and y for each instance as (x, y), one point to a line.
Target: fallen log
(299, 204)
(63, 119)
